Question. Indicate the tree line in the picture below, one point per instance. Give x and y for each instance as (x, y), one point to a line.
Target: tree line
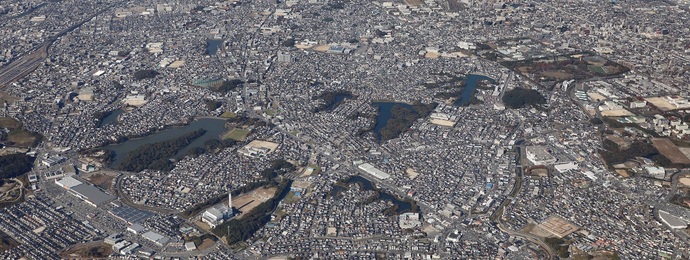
(330, 99)
(520, 97)
(13, 165)
(156, 156)
(402, 119)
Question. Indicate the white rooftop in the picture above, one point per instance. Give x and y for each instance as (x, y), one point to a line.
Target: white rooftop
(68, 182)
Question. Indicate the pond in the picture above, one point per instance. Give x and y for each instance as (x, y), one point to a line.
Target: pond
(403, 205)
(212, 46)
(338, 99)
(470, 86)
(385, 109)
(111, 118)
(214, 129)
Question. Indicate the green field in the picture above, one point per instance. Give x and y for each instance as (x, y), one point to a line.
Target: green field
(228, 114)
(596, 69)
(270, 112)
(237, 134)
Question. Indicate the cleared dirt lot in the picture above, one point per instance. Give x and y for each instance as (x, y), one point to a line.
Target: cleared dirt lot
(685, 181)
(248, 201)
(660, 103)
(101, 179)
(670, 150)
(617, 113)
(88, 251)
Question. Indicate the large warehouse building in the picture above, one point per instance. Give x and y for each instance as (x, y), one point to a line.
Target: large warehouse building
(89, 194)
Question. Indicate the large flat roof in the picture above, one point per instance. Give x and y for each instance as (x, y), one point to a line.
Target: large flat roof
(672, 221)
(131, 215)
(370, 169)
(92, 194)
(68, 182)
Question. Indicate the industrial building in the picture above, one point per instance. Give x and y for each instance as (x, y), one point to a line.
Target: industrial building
(218, 214)
(89, 194)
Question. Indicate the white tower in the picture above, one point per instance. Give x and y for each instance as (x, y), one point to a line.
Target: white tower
(230, 200)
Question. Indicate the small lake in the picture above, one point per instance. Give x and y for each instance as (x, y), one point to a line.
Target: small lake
(214, 129)
(212, 46)
(403, 206)
(470, 86)
(385, 109)
(111, 118)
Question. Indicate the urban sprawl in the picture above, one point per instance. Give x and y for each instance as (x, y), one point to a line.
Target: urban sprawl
(345, 129)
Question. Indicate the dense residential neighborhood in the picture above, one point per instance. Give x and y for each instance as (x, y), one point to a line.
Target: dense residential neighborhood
(345, 129)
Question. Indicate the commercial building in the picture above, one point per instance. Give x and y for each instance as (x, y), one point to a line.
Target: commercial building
(156, 238)
(565, 167)
(370, 169)
(89, 194)
(538, 155)
(136, 229)
(190, 246)
(672, 221)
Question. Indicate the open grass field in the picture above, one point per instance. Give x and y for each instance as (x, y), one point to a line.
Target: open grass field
(442, 122)
(670, 150)
(22, 137)
(228, 114)
(596, 69)
(411, 173)
(207, 243)
(237, 134)
(322, 48)
(566, 67)
(248, 201)
(557, 74)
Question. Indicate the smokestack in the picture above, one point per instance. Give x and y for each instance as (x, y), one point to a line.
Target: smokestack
(230, 200)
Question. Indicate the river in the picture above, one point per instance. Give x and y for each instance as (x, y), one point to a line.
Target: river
(214, 129)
